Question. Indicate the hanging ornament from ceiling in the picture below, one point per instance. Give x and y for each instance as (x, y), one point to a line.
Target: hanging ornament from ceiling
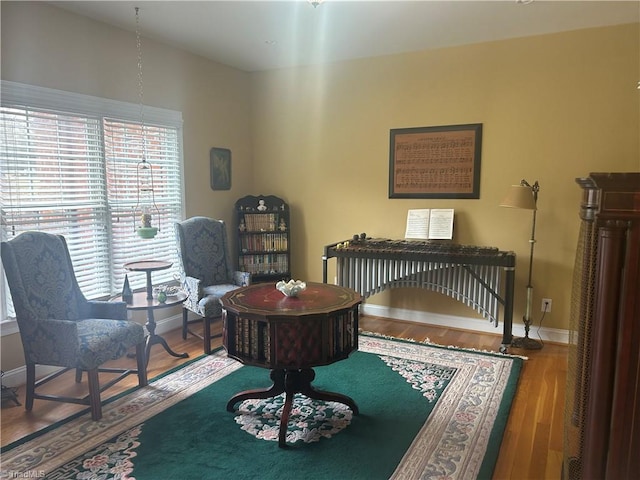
(146, 208)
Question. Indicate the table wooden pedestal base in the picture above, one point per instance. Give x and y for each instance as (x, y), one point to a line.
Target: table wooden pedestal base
(140, 301)
(291, 381)
(154, 339)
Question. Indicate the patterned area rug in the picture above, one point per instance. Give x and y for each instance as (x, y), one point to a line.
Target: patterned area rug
(425, 412)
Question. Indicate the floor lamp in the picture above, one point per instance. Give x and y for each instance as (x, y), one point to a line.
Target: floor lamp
(525, 196)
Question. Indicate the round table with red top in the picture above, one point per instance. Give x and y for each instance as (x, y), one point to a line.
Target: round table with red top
(290, 336)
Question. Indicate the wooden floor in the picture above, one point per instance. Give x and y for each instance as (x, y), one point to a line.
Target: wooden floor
(532, 444)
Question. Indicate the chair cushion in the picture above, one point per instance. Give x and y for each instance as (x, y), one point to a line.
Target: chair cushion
(210, 305)
(101, 340)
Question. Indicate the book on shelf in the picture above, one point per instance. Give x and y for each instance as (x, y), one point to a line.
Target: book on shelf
(260, 222)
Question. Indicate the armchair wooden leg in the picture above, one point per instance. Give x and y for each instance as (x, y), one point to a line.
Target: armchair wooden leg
(142, 364)
(207, 335)
(94, 394)
(31, 386)
(185, 322)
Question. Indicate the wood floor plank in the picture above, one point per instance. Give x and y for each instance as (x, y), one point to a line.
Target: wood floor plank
(532, 444)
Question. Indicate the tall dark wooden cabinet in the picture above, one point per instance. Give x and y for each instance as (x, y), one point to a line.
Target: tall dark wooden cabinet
(602, 416)
(263, 238)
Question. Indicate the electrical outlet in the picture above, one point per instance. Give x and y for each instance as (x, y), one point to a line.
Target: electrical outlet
(546, 305)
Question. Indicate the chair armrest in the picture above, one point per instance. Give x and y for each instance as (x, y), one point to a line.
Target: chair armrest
(242, 279)
(55, 342)
(105, 309)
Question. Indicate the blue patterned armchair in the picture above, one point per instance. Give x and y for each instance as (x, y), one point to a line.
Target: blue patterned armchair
(206, 273)
(59, 326)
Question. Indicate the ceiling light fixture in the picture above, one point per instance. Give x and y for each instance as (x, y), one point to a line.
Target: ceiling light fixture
(315, 3)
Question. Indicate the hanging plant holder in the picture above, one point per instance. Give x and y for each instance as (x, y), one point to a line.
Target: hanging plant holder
(146, 208)
(146, 211)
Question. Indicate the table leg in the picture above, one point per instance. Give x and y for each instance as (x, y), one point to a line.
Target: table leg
(291, 382)
(149, 286)
(153, 338)
(307, 389)
(277, 376)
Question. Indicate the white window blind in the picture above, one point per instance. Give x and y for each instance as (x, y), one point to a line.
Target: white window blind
(68, 166)
(124, 150)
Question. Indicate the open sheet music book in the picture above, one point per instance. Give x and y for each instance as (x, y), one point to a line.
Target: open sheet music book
(430, 224)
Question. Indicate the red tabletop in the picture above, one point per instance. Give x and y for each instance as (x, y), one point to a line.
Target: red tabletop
(265, 300)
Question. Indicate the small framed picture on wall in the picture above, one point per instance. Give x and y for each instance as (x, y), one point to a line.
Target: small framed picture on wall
(220, 160)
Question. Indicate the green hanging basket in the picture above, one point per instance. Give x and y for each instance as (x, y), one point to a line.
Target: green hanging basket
(147, 232)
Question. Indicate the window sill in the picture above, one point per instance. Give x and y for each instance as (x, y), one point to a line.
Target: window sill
(8, 327)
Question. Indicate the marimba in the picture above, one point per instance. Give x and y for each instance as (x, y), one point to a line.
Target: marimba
(470, 274)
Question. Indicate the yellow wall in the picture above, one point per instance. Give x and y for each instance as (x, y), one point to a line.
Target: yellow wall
(553, 107)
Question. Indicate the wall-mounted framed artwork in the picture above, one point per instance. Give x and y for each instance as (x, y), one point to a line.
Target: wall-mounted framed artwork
(220, 160)
(435, 162)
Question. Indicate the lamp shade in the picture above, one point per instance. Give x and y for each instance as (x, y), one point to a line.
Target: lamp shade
(519, 196)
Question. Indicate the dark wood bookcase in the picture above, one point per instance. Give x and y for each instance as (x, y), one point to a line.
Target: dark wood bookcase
(263, 238)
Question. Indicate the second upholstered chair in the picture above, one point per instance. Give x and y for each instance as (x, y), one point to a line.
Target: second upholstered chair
(207, 272)
(59, 327)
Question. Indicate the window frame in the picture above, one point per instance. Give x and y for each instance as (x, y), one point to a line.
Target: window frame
(36, 97)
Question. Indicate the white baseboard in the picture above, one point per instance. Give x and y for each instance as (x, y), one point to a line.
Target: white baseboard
(18, 376)
(464, 323)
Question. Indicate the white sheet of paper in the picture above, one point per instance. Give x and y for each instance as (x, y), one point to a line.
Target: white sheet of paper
(441, 224)
(417, 224)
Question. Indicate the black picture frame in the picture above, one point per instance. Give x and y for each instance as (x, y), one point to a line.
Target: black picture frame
(220, 166)
(435, 162)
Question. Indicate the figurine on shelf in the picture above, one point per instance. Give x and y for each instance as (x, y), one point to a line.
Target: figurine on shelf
(283, 226)
(242, 227)
(261, 206)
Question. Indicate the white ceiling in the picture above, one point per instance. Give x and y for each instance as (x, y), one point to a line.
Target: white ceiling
(262, 35)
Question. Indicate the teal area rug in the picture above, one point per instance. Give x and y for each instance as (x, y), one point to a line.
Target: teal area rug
(425, 412)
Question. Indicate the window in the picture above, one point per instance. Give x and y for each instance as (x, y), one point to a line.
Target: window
(68, 166)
